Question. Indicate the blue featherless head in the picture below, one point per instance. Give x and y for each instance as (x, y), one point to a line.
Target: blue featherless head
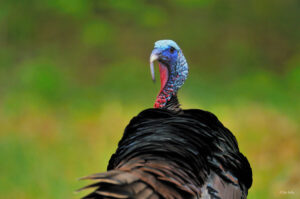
(173, 69)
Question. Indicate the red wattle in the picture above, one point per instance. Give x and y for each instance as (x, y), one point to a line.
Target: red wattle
(164, 74)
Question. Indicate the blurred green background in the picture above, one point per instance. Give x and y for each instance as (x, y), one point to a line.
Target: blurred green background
(73, 73)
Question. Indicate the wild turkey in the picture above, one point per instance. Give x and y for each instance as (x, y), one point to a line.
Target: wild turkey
(167, 152)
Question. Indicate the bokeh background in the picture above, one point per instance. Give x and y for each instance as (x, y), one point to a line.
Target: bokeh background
(73, 74)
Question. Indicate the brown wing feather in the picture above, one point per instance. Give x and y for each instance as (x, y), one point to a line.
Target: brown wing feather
(139, 180)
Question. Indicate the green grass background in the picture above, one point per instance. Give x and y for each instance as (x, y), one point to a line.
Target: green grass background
(73, 74)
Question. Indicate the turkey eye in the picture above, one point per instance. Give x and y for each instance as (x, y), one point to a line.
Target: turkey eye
(172, 50)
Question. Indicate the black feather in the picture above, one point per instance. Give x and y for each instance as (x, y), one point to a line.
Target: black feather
(177, 154)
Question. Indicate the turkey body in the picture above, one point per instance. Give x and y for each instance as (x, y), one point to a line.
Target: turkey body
(165, 155)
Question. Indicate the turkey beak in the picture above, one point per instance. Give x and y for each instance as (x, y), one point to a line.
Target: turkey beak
(153, 57)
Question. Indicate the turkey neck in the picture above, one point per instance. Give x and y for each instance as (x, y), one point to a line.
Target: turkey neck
(172, 78)
(167, 98)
